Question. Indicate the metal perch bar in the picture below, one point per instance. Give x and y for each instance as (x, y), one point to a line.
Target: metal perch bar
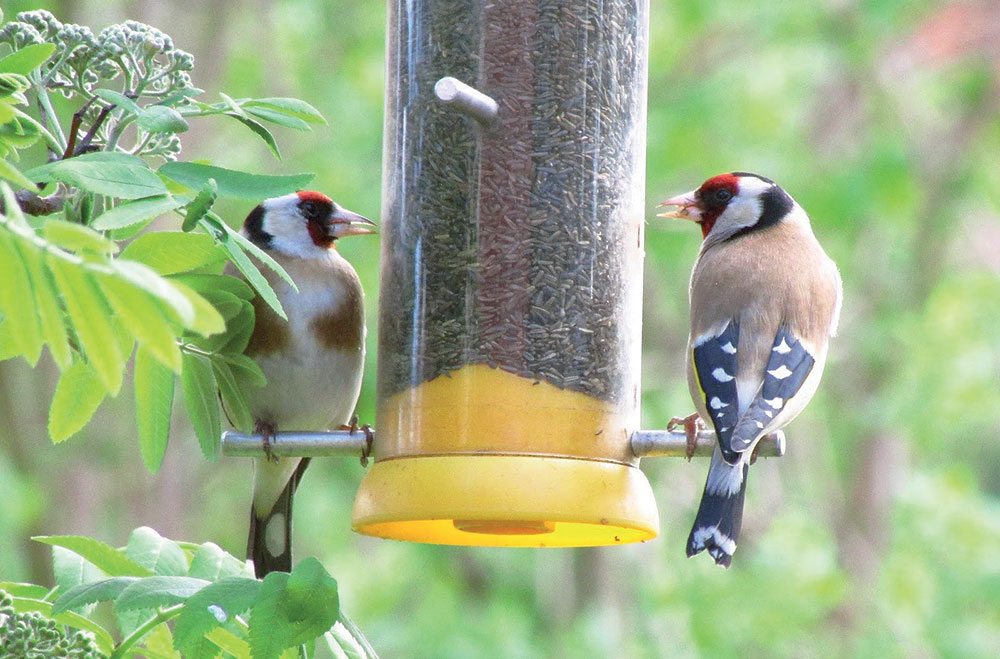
(335, 443)
(673, 444)
(344, 443)
(467, 100)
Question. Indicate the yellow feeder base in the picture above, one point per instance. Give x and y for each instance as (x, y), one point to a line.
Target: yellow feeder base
(506, 501)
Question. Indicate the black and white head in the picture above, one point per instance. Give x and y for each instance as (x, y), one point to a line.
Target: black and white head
(304, 224)
(733, 204)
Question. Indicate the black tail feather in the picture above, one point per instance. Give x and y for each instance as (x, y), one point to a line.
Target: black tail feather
(719, 520)
(279, 520)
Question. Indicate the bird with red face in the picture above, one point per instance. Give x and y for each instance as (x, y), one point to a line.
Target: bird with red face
(765, 300)
(313, 361)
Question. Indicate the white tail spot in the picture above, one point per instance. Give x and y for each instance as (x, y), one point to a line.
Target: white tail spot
(782, 348)
(721, 375)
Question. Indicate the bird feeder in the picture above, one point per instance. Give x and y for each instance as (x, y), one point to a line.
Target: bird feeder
(512, 253)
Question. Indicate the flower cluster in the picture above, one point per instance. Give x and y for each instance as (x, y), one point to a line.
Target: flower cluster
(34, 636)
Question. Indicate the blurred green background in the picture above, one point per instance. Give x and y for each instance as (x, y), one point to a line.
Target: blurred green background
(879, 532)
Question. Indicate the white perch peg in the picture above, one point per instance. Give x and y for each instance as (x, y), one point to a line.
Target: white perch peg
(467, 100)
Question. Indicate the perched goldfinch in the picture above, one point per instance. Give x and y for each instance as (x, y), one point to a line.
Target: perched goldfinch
(765, 300)
(313, 361)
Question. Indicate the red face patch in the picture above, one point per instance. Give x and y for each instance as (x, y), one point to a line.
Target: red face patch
(713, 196)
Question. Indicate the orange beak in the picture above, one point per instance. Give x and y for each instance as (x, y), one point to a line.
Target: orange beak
(348, 223)
(687, 205)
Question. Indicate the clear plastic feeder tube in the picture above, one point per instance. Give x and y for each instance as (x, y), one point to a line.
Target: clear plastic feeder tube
(512, 249)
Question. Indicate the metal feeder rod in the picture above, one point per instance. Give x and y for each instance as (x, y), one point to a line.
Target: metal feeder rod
(467, 100)
(344, 443)
(335, 443)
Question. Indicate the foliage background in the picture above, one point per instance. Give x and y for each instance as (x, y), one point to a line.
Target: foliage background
(879, 532)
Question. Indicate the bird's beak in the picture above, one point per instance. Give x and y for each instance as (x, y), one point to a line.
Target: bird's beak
(348, 223)
(687, 205)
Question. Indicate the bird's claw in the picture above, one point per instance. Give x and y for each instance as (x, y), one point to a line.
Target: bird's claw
(267, 432)
(369, 437)
(692, 426)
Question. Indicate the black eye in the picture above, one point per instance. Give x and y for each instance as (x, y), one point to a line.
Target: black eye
(310, 210)
(722, 195)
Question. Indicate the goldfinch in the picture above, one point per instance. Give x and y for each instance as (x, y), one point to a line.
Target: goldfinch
(765, 300)
(313, 361)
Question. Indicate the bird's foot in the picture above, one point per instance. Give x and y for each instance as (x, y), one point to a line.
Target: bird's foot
(267, 431)
(369, 437)
(692, 426)
(756, 448)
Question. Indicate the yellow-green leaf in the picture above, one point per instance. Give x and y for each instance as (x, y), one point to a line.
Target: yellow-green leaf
(201, 398)
(50, 316)
(17, 301)
(154, 397)
(91, 320)
(77, 237)
(232, 397)
(78, 395)
(143, 316)
(169, 252)
(207, 319)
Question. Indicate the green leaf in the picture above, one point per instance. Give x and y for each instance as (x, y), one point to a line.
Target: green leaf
(70, 569)
(253, 275)
(50, 316)
(233, 105)
(201, 401)
(124, 181)
(205, 283)
(291, 106)
(91, 593)
(151, 550)
(134, 212)
(91, 321)
(261, 256)
(229, 642)
(77, 237)
(117, 98)
(161, 119)
(293, 609)
(78, 394)
(143, 316)
(178, 302)
(212, 563)
(153, 592)
(280, 118)
(261, 132)
(27, 59)
(169, 252)
(154, 398)
(239, 328)
(12, 84)
(14, 175)
(17, 300)
(211, 607)
(200, 205)
(233, 183)
(206, 320)
(113, 561)
(232, 397)
(43, 173)
(246, 370)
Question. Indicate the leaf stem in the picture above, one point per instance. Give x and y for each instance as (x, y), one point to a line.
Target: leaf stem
(162, 615)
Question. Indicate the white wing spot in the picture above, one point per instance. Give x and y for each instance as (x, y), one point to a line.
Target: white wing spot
(759, 424)
(717, 404)
(723, 428)
(775, 402)
(721, 375)
(782, 348)
(780, 373)
(729, 348)
(769, 413)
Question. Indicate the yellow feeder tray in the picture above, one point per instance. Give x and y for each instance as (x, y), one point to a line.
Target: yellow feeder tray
(486, 457)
